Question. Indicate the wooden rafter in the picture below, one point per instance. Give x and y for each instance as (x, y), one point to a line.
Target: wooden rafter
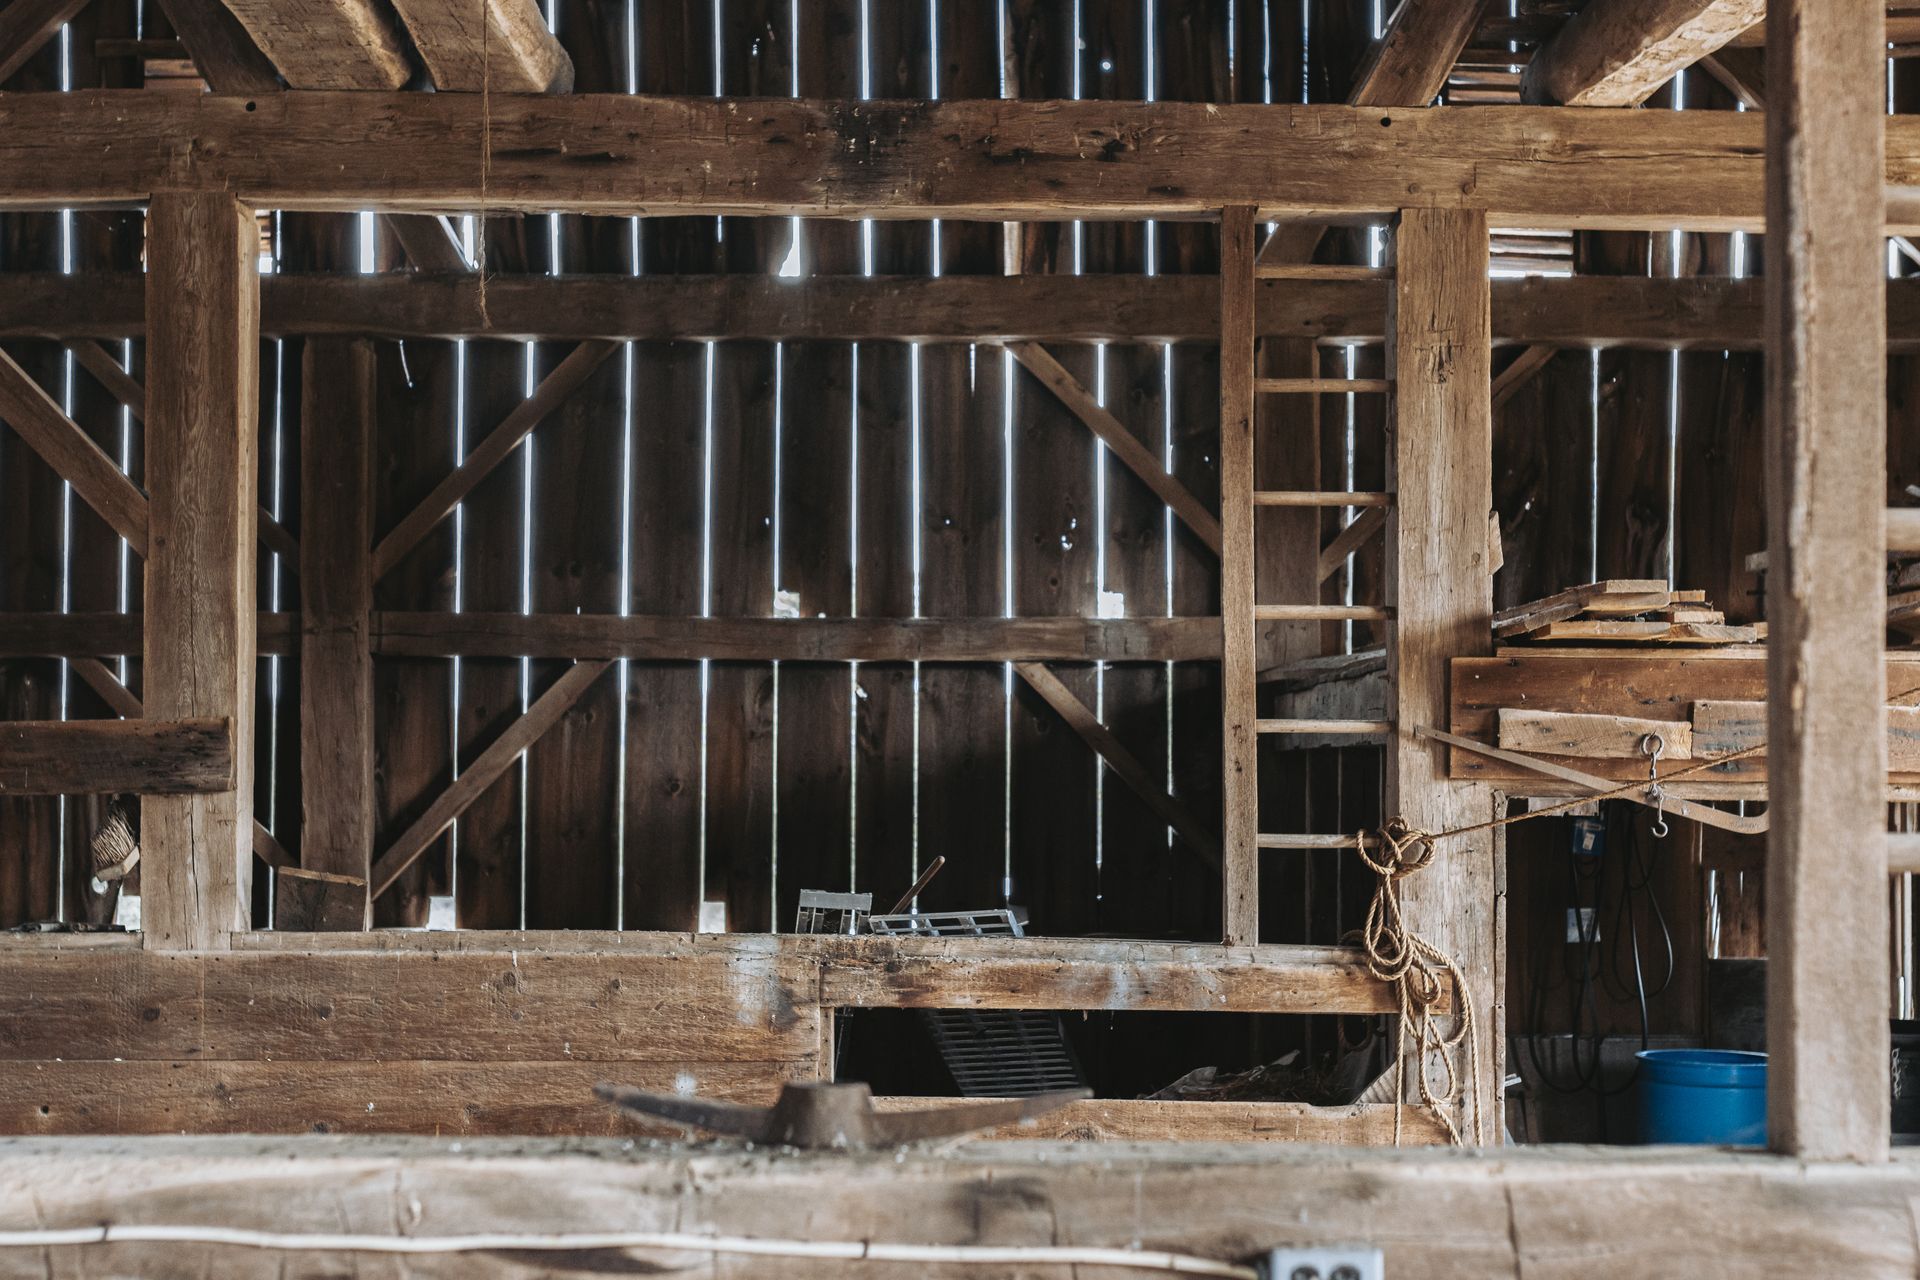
(1616, 53)
(328, 44)
(71, 452)
(483, 771)
(446, 152)
(500, 45)
(1125, 765)
(1121, 441)
(498, 446)
(222, 51)
(27, 25)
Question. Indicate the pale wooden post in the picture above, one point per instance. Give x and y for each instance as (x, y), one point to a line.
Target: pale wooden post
(203, 333)
(1828, 1092)
(1439, 581)
(336, 589)
(1240, 760)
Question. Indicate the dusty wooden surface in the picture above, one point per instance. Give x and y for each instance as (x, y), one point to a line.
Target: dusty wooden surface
(1563, 1214)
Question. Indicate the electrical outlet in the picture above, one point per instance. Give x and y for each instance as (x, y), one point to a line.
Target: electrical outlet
(1580, 925)
(1327, 1262)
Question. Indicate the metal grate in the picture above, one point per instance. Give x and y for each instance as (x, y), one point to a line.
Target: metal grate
(824, 912)
(1000, 922)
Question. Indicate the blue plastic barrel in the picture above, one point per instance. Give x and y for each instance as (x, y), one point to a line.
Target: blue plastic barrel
(1716, 1096)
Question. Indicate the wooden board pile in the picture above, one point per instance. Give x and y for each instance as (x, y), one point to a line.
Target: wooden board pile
(1623, 610)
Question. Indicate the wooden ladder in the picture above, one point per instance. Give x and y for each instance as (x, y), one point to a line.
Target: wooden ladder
(1241, 610)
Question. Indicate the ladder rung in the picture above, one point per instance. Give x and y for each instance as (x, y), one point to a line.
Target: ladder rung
(1315, 498)
(1320, 386)
(1276, 840)
(1317, 271)
(1354, 727)
(1322, 613)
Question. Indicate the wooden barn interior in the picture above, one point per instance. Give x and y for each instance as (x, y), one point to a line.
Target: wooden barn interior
(1179, 628)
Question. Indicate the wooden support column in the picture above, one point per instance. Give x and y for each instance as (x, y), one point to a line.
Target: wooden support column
(1440, 581)
(1239, 750)
(1827, 1087)
(336, 586)
(203, 320)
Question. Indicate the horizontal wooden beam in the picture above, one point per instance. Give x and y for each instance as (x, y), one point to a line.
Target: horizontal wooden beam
(1706, 313)
(1151, 1120)
(576, 635)
(1547, 1212)
(93, 635)
(115, 757)
(798, 639)
(987, 159)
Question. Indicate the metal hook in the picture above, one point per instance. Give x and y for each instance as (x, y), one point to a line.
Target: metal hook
(1651, 746)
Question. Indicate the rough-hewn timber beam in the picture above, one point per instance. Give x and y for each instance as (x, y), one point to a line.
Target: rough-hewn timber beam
(72, 453)
(501, 45)
(1826, 466)
(114, 757)
(1408, 66)
(1616, 53)
(978, 159)
(328, 44)
(1692, 313)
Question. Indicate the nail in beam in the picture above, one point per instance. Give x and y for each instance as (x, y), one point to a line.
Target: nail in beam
(203, 322)
(1827, 1088)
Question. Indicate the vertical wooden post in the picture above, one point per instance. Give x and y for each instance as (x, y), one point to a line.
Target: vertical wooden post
(203, 332)
(1239, 750)
(1439, 580)
(1827, 1088)
(336, 588)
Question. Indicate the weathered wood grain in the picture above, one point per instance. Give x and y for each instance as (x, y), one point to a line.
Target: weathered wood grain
(327, 44)
(1616, 53)
(1144, 1120)
(1440, 581)
(202, 477)
(106, 757)
(1826, 683)
(1563, 733)
(501, 45)
(627, 154)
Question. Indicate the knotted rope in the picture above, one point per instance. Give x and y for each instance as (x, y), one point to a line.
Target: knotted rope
(1422, 974)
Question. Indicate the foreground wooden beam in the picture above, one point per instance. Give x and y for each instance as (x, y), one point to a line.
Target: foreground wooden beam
(1691, 313)
(1533, 1212)
(1827, 1083)
(1440, 580)
(202, 428)
(115, 757)
(223, 53)
(983, 159)
(1616, 53)
(336, 588)
(1408, 66)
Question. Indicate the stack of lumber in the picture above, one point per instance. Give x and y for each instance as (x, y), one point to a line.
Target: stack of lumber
(1623, 610)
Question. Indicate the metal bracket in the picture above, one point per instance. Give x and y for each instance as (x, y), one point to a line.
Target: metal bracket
(1651, 797)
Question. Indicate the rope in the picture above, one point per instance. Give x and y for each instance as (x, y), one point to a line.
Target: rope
(1422, 974)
